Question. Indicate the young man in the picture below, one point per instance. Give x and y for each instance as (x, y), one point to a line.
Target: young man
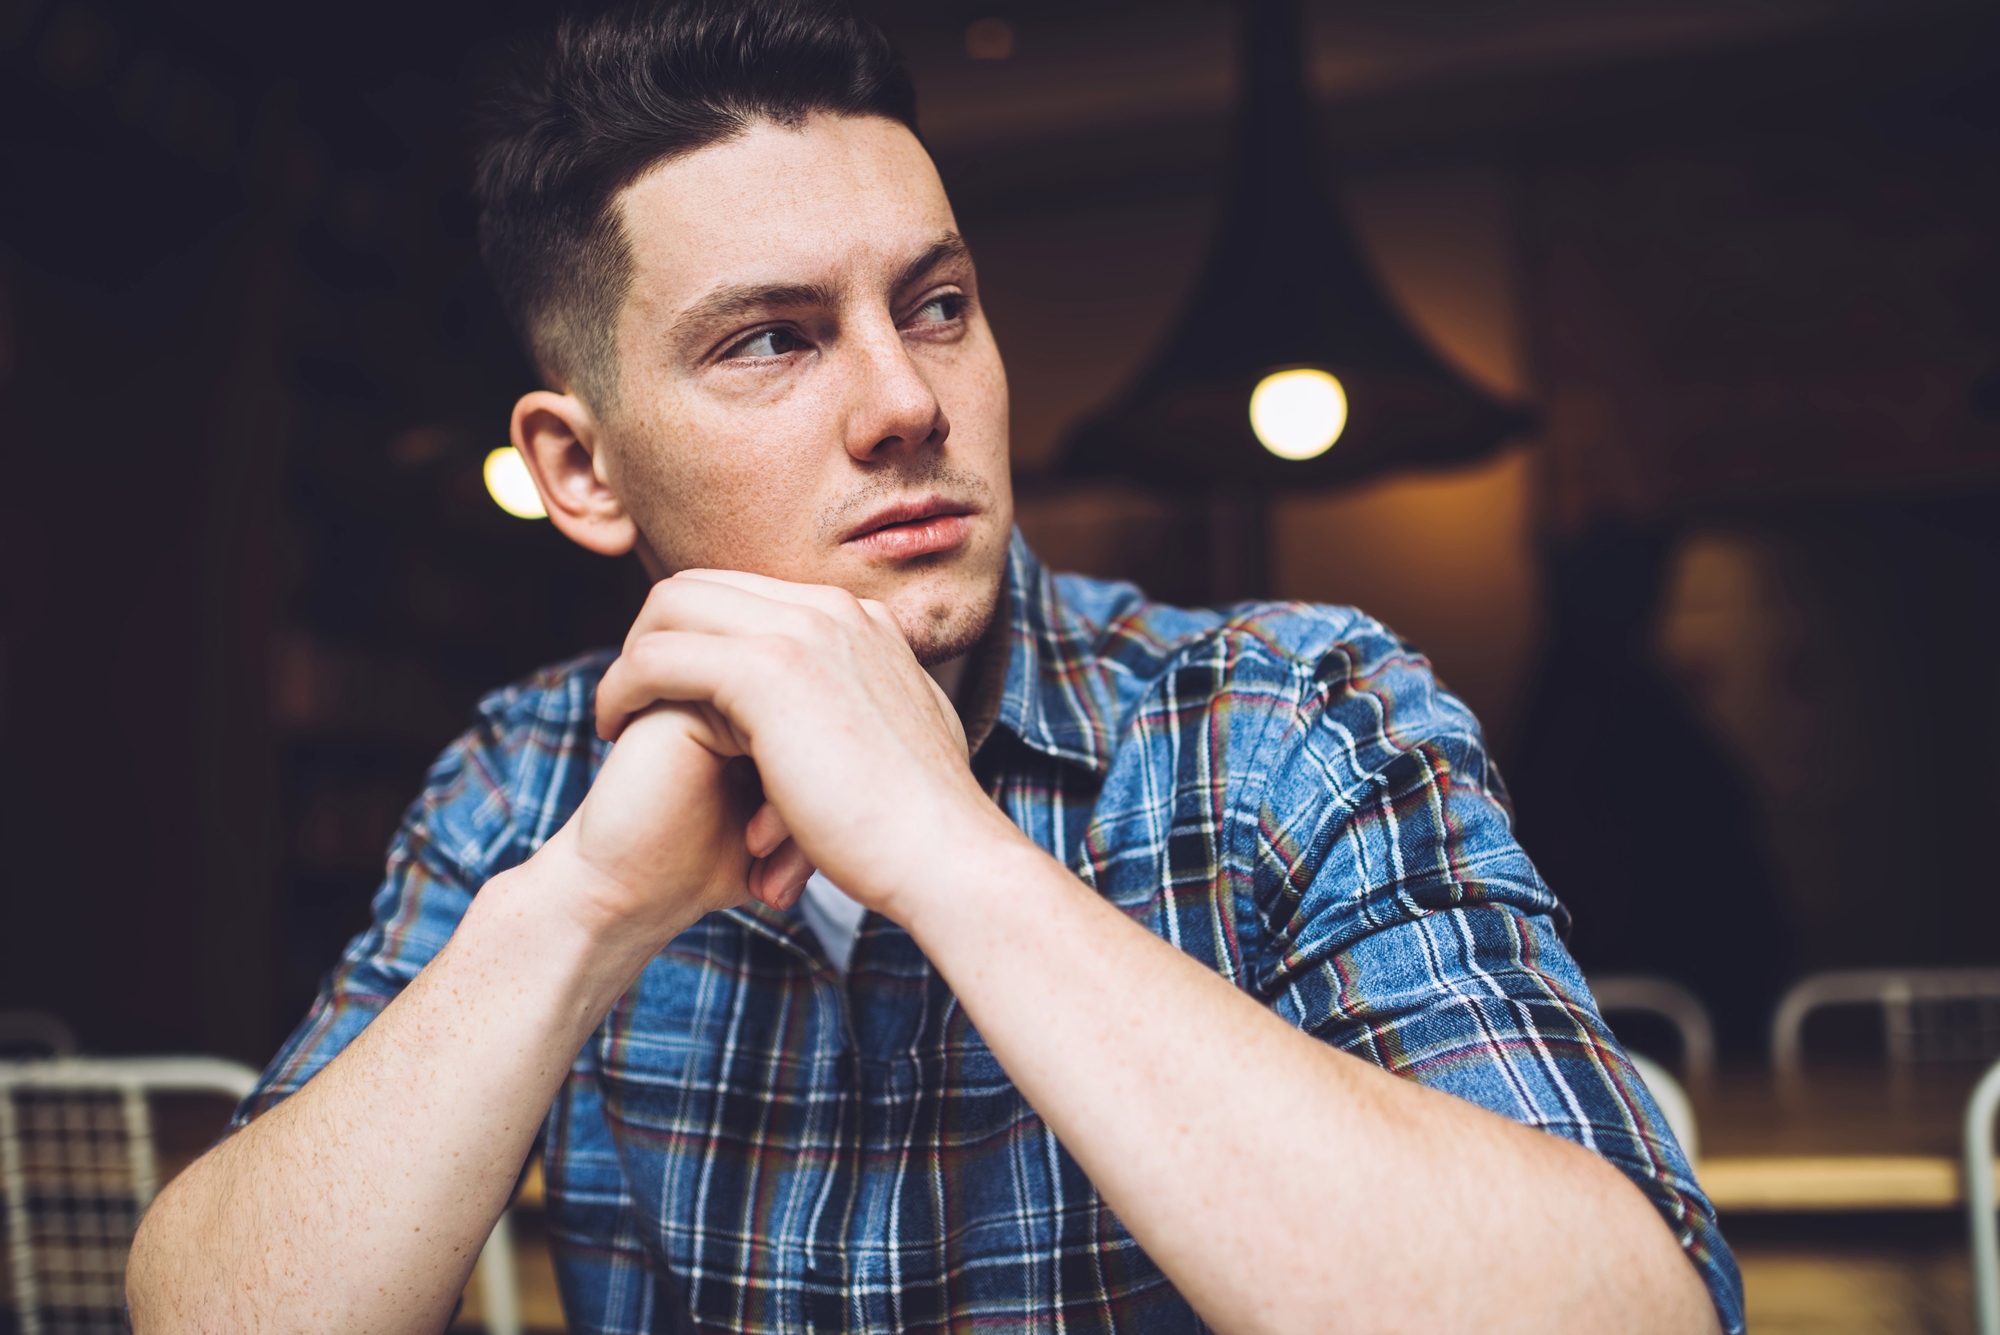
(1222, 928)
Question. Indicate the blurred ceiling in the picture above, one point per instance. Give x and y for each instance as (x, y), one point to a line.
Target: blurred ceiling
(1112, 102)
(1089, 66)
(1099, 100)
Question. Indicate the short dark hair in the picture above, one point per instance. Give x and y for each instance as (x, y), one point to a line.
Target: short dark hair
(582, 115)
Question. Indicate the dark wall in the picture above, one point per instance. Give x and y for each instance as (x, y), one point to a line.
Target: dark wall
(1767, 315)
(252, 580)
(250, 583)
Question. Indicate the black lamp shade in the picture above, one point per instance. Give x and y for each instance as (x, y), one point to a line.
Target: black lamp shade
(1284, 285)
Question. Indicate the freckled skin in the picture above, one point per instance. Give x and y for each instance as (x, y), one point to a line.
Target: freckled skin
(802, 348)
(762, 464)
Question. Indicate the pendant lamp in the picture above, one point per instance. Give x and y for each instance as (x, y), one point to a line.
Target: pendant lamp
(1289, 370)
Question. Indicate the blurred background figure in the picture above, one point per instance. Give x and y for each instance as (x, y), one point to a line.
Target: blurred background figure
(1713, 292)
(1662, 853)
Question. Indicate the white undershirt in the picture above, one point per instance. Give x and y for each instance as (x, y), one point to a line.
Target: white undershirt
(834, 918)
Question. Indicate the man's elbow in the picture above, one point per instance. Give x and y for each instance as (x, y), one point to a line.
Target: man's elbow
(166, 1289)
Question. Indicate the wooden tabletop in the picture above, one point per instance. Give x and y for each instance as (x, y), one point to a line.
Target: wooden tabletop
(1843, 1139)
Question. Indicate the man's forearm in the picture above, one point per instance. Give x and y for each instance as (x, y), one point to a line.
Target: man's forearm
(360, 1203)
(1283, 1185)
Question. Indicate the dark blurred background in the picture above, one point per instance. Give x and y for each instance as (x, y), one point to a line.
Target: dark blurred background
(1730, 614)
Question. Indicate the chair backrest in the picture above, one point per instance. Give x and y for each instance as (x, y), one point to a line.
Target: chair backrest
(1980, 1204)
(1674, 1103)
(1928, 1014)
(1671, 1002)
(34, 1034)
(77, 1169)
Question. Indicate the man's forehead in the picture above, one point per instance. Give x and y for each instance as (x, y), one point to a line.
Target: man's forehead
(833, 200)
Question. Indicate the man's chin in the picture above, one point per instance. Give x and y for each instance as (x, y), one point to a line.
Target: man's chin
(944, 618)
(943, 605)
(933, 644)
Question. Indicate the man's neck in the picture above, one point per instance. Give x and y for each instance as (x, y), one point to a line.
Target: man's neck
(976, 681)
(950, 675)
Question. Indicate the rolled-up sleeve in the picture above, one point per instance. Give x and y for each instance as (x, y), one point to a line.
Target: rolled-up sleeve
(423, 896)
(1405, 924)
(492, 798)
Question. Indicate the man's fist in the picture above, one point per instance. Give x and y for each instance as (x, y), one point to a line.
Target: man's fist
(664, 835)
(860, 755)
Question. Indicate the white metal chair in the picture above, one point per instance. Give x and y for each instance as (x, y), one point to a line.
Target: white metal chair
(499, 1280)
(1979, 1201)
(34, 1034)
(1674, 1103)
(77, 1170)
(1672, 1003)
(1923, 1014)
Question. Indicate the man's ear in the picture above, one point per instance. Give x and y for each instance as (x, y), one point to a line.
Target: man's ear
(558, 437)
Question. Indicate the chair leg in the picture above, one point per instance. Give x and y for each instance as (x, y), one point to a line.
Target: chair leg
(1980, 1203)
(20, 1238)
(499, 1280)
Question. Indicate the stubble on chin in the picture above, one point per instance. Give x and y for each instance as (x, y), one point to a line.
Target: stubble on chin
(944, 623)
(941, 622)
(943, 631)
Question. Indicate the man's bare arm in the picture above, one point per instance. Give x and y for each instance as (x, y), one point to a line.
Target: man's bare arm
(360, 1203)
(1282, 1185)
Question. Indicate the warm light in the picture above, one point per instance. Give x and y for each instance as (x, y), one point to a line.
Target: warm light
(1298, 414)
(510, 486)
(989, 39)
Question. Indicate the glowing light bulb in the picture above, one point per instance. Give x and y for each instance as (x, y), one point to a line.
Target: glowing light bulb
(508, 483)
(1298, 414)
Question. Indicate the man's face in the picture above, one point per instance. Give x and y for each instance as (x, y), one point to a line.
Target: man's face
(807, 385)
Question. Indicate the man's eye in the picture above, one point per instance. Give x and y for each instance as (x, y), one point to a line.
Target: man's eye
(941, 310)
(768, 343)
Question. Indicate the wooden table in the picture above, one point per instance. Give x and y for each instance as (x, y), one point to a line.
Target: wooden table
(1846, 1140)
(1842, 1140)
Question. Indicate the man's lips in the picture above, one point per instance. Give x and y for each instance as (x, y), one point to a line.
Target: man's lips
(913, 528)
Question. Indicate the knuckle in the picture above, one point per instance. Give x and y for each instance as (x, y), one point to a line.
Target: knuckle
(849, 612)
(829, 600)
(815, 623)
(650, 657)
(787, 655)
(786, 650)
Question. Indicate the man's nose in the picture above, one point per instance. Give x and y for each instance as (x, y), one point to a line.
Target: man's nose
(895, 411)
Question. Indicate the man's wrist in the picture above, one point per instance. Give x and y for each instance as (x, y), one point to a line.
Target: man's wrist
(547, 912)
(967, 861)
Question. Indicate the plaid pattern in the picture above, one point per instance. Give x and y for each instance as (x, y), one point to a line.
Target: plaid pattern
(1283, 792)
(76, 1178)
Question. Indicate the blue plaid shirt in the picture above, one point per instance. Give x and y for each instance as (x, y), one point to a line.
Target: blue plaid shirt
(752, 1143)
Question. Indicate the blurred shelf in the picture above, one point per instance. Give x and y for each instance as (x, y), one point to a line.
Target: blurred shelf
(1883, 1289)
(535, 1267)
(1836, 1113)
(1816, 1183)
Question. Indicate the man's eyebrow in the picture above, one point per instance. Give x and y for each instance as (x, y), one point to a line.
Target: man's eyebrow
(734, 302)
(731, 303)
(948, 247)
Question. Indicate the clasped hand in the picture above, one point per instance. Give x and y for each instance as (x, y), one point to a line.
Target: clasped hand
(763, 729)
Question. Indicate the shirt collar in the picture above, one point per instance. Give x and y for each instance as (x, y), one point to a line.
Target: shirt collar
(1054, 695)
(1057, 695)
